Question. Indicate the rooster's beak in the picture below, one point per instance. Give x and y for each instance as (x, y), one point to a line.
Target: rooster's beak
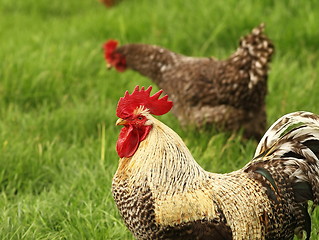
(121, 121)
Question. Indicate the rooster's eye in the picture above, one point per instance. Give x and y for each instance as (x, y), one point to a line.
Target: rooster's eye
(140, 118)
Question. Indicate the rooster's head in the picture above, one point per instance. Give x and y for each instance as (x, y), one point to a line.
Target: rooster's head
(113, 58)
(134, 112)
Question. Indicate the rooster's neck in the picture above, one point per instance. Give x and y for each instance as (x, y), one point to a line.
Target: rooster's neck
(161, 161)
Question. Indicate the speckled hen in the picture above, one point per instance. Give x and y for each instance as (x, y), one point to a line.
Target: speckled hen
(162, 193)
(226, 94)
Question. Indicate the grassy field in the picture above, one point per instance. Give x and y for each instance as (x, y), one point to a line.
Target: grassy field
(57, 100)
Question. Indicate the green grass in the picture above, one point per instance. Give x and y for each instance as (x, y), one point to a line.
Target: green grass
(57, 101)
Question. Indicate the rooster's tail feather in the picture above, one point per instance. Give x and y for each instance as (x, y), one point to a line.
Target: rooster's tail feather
(287, 162)
(293, 140)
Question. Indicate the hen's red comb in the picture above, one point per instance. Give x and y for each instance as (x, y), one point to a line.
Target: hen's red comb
(109, 47)
(141, 97)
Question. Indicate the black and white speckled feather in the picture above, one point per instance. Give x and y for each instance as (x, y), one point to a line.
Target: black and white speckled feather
(287, 159)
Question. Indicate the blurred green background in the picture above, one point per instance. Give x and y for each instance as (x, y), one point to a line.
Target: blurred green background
(57, 100)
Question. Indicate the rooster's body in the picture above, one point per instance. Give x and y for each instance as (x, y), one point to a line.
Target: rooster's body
(228, 94)
(162, 193)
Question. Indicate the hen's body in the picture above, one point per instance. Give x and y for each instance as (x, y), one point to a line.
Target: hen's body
(162, 193)
(228, 94)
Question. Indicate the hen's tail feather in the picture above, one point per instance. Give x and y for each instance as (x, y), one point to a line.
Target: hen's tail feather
(255, 49)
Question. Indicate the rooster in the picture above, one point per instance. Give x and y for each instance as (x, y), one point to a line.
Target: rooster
(228, 94)
(163, 193)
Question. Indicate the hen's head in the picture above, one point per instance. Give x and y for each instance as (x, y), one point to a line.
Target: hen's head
(113, 58)
(134, 112)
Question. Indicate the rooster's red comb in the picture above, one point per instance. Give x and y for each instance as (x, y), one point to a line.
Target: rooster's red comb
(141, 97)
